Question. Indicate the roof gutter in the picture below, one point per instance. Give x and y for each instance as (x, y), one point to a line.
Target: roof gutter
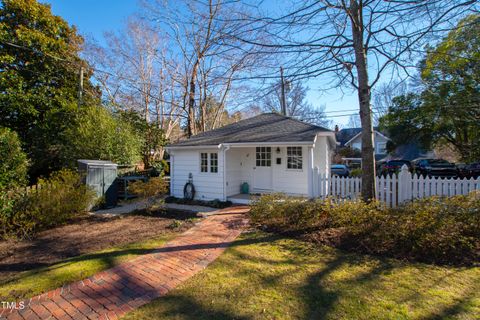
(171, 148)
(241, 144)
(253, 144)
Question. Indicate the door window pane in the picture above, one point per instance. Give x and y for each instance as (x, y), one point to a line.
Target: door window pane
(263, 156)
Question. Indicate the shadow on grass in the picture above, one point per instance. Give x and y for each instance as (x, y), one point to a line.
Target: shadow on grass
(109, 260)
(318, 295)
(182, 307)
(328, 290)
(454, 310)
(54, 274)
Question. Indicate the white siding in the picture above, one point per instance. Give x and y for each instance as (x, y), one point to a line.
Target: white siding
(290, 181)
(322, 156)
(234, 170)
(208, 186)
(241, 163)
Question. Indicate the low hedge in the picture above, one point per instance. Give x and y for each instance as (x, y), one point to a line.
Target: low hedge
(55, 201)
(149, 191)
(217, 203)
(436, 230)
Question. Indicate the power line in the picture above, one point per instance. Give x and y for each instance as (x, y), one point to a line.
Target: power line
(79, 64)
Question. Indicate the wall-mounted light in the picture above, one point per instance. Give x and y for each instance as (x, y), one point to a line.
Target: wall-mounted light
(278, 149)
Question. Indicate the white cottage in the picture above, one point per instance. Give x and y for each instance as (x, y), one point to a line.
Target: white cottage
(269, 152)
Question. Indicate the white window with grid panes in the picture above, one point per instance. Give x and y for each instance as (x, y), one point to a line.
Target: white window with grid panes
(203, 162)
(294, 158)
(209, 162)
(214, 162)
(263, 156)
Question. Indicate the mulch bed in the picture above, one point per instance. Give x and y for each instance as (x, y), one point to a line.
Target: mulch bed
(85, 235)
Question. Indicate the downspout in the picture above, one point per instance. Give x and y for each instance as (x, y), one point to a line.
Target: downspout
(224, 148)
(310, 176)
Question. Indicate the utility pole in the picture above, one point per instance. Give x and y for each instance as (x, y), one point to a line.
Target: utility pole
(284, 101)
(80, 88)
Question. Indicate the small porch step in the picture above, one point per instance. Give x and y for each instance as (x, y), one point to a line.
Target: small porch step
(242, 198)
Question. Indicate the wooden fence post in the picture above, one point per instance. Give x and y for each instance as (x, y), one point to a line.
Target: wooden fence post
(404, 184)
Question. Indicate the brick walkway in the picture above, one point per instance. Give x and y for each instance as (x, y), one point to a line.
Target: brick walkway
(114, 292)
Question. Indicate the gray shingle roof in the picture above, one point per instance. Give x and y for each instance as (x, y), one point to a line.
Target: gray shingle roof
(267, 127)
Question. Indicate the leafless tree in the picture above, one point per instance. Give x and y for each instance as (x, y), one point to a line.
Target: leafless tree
(199, 31)
(354, 121)
(355, 43)
(297, 105)
(383, 96)
(137, 74)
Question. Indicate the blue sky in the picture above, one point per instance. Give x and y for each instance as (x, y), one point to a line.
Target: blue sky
(94, 17)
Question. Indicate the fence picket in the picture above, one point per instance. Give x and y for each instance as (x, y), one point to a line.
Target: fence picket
(381, 189)
(415, 187)
(359, 187)
(471, 185)
(458, 188)
(464, 186)
(421, 187)
(394, 191)
(428, 187)
(388, 188)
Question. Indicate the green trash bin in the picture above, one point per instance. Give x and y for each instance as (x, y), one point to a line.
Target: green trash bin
(244, 188)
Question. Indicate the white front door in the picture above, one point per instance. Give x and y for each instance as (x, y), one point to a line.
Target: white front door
(262, 171)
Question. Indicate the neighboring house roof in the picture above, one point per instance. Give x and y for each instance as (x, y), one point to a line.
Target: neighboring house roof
(267, 127)
(360, 133)
(347, 134)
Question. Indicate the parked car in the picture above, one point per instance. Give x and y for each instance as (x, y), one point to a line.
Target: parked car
(340, 170)
(435, 168)
(462, 170)
(393, 166)
(471, 170)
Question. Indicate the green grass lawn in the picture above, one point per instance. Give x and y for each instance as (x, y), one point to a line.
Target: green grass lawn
(268, 277)
(31, 283)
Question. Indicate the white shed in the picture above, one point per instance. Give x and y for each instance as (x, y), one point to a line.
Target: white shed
(269, 152)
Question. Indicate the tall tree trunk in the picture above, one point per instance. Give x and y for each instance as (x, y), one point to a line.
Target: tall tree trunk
(364, 96)
(191, 101)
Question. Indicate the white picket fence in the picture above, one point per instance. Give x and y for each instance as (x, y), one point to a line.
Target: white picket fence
(392, 190)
